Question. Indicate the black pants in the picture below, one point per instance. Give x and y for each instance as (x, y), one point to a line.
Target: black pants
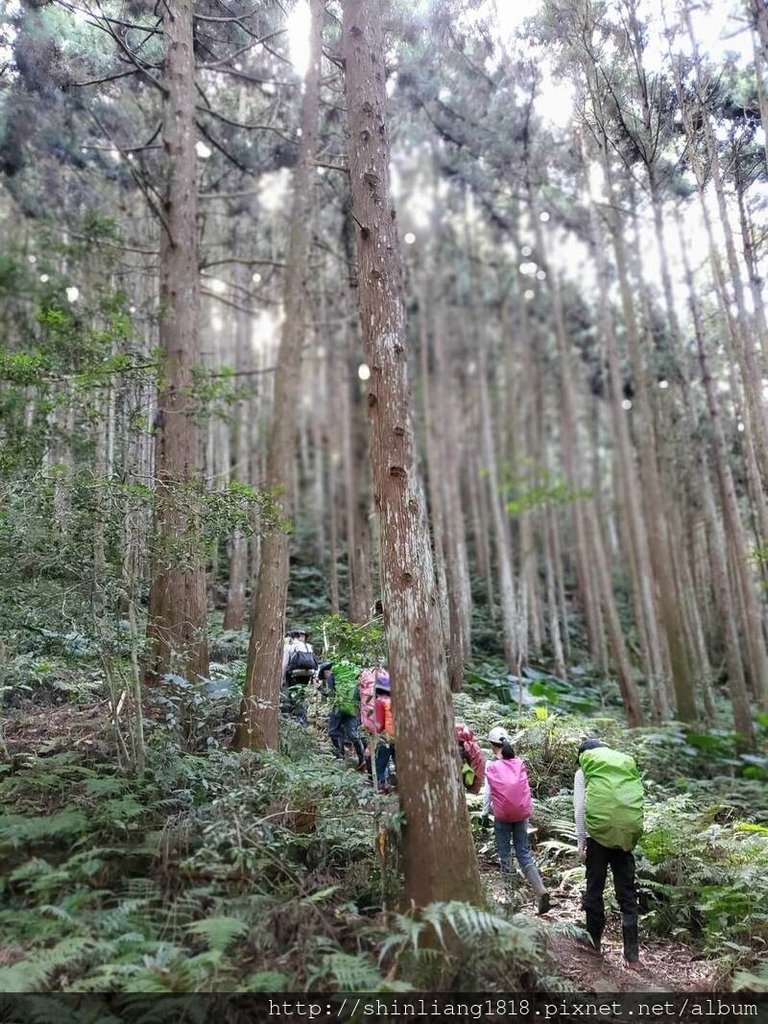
(622, 865)
(293, 695)
(342, 728)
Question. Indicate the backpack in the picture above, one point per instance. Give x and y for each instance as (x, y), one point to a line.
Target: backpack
(473, 759)
(510, 790)
(345, 698)
(302, 661)
(614, 802)
(366, 687)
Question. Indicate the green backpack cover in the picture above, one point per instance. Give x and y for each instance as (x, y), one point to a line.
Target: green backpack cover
(614, 804)
(345, 697)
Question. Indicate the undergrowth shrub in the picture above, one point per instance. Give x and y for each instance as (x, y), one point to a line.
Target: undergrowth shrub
(707, 880)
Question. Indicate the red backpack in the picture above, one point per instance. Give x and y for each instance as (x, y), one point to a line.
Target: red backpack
(471, 754)
(510, 790)
(367, 699)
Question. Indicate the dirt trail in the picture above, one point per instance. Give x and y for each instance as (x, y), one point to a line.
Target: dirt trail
(667, 966)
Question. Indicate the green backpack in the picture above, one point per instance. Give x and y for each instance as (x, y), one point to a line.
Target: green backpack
(614, 804)
(345, 695)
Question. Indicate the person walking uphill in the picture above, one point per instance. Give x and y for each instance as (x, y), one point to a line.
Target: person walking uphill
(343, 720)
(608, 807)
(299, 665)
(384, 728)
(508, 792)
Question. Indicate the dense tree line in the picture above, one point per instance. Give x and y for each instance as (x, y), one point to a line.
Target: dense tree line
(206, 295)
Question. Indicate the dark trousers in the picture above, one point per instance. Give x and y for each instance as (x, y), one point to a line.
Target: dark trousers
(342, 728)
(622, 865)
(384, 752)
(293, 696)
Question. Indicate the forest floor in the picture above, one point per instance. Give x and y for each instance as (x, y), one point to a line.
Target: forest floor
(667, 966)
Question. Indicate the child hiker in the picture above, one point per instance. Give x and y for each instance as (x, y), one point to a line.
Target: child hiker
(385, 729)
(508, 792)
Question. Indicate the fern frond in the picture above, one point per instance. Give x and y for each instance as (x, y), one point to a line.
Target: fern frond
(33, 973)
(16, 829)
(355, 974)
(220, 932)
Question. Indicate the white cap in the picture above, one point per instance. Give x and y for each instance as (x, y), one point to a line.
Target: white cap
(497, 735)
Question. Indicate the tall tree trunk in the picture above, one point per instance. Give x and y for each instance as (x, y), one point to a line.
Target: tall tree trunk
(632, 706)
(360, 583)
(571, 446)
(234, 613)
(177, 624)
(478, 503)
(499, 525)
(438, 516)
(752, 617)
(430, 789)
(457, 564)
(333, 552)
(258, 726)
(635, 525)
(670, 609)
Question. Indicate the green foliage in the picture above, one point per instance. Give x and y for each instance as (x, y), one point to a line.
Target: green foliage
(18, 829)
(250, 843)
(544, 495)
(706, 879)
(219, 932)
(752, 981)
(238, 507)
(359, 644)
(454, 945)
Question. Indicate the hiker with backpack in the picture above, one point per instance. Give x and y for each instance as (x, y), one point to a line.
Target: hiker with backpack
(608, 807)
(343, 718)
(366, 690)
(508, 792)
(472, 759)
(384, 728)
(299, 666)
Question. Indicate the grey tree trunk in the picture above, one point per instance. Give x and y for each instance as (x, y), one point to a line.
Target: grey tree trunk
(431, 794)
(258, 726)
(177, 623)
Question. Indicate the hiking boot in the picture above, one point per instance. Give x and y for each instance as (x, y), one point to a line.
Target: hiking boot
(594, 928)
(631, 943)
(534, 880)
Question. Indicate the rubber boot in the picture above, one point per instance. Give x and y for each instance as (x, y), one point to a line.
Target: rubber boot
(595, 925)
(360, 751)
(629, 935)
(534, 880)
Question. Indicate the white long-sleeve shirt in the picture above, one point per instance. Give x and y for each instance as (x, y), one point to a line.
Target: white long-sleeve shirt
(294, 645)
(486, 796)
(579, 805)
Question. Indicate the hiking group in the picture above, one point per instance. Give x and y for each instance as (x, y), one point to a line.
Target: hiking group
(358, 701)
(607, 789)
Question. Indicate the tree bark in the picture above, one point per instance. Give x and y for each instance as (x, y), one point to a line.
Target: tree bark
(457, 563)
(752, 617)
(430, 789)
(177, 624)
(258, 726)
(571, 446)
(234, 613)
